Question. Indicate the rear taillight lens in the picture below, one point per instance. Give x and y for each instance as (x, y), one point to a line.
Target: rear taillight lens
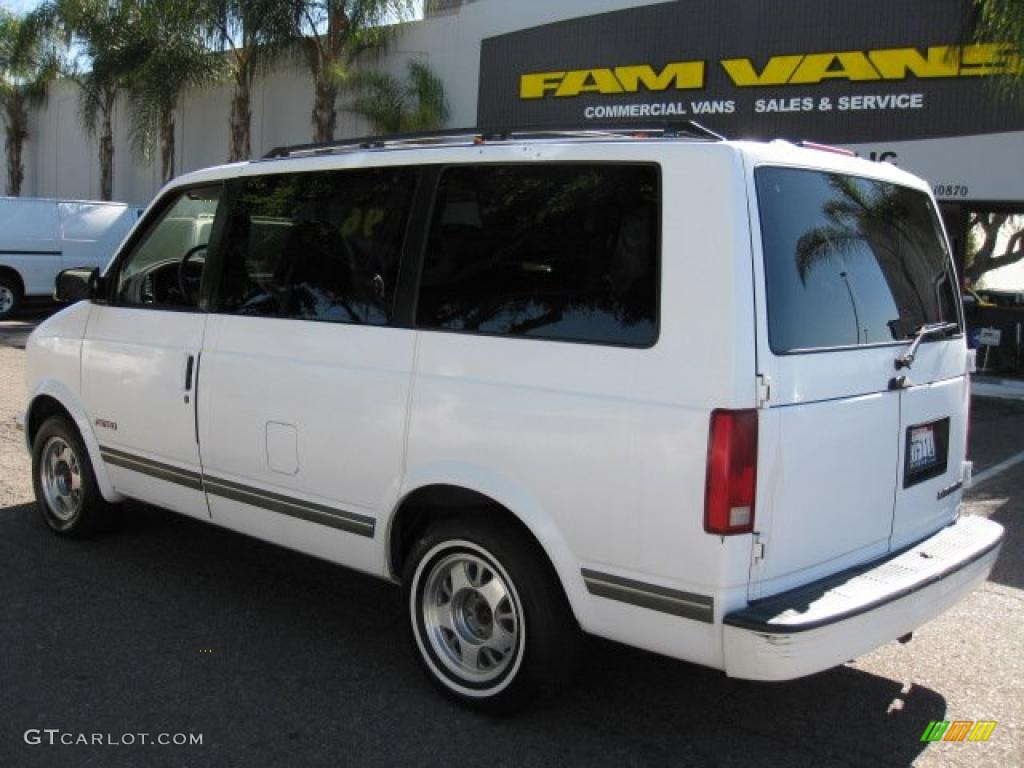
(732, 472)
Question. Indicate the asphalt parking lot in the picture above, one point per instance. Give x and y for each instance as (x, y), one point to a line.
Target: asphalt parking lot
(170, 626)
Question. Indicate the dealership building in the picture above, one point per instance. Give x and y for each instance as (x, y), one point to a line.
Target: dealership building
(887, 79)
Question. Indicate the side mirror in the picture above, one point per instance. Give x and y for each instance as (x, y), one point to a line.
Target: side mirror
(78, 284)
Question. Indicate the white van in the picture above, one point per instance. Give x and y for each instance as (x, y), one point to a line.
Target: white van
(39, 238)
(706, 398)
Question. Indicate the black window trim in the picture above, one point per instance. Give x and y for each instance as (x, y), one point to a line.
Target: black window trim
(436, 183)
(950, 268)
(142, 229)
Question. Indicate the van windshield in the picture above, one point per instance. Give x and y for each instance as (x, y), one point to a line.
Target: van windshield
(849, 261)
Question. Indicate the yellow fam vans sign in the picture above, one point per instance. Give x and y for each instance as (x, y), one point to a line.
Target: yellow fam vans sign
(884, 64)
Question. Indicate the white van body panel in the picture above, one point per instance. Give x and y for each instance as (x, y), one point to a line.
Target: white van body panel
(30, 242)
(92, 232)
(129, 349)
(318, 417)
(53, 370)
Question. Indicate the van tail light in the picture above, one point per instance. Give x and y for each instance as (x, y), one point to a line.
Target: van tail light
(732, 472)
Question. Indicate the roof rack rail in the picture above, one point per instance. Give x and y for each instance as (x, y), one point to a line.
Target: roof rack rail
(374, 142)
(469, 136)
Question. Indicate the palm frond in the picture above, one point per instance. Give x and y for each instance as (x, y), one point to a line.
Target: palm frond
(393, 106)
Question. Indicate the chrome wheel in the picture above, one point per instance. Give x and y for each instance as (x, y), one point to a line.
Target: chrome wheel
(471, 617)
(6, 299)
(61, 479)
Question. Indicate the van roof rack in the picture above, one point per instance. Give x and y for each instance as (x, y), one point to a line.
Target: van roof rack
(473, 136)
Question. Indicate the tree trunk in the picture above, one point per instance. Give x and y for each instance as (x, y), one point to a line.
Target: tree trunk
(17, 132)
(325, 117)
(107, 147)
(241, 120)
(167, 145)
(985, 257)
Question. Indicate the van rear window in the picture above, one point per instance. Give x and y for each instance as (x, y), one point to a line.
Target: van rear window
(849, 261)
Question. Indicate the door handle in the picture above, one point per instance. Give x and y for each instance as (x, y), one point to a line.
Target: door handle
(189, 365)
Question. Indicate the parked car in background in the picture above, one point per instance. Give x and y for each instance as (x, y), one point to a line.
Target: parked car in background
(40, 237)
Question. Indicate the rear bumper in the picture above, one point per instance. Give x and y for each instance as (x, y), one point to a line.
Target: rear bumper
(828, 622)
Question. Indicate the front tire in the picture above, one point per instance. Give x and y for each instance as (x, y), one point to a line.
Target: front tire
(489, 621)
(67, 495)
(10, 297)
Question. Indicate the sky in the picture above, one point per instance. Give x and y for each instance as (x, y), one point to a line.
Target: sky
(19, 6)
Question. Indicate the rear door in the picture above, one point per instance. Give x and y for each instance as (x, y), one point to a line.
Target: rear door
(841, 288)
(935, 392)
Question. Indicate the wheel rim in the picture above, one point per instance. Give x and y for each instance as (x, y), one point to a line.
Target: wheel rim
(6, 299)
(471, 617)
(61, 479)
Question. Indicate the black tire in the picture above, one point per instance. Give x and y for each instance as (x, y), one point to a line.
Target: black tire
(544, 652)
(61, 462)
(10, 297)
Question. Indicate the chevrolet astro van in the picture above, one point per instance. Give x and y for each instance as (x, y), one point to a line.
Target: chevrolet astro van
(702, 397)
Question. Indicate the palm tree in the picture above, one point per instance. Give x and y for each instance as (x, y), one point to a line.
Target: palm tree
(106, 51)
(177, 59)
(330, 35)
(1002, 21)
(252, 35)
(27, 64)
(394, 106)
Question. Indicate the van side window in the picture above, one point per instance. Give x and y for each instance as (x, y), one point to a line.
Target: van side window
(165, 268)
(849, 261)
(317, 246)
(561, 251)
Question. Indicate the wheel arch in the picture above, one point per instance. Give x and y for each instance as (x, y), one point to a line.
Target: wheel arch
(52, 398)
(8, 271)
(441, 495)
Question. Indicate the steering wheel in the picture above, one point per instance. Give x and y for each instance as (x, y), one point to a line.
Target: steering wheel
(189, 284)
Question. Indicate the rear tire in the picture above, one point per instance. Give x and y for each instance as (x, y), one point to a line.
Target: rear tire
(67, 495)
(10, 297)
(490, 623)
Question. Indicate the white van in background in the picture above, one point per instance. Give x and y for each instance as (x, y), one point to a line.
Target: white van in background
(39, 238)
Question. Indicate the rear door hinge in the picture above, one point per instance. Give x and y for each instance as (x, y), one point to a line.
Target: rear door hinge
(764, 390)
(758, 547)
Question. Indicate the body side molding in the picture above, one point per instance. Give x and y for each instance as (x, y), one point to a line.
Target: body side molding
(673, 601)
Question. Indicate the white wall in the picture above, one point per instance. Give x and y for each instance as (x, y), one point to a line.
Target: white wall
(62, 161)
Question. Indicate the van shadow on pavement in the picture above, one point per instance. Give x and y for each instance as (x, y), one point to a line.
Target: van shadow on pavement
(171, 625)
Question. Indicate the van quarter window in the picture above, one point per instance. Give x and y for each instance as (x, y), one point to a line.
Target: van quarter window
(849, 261)
(317, 246)
(563, 251)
